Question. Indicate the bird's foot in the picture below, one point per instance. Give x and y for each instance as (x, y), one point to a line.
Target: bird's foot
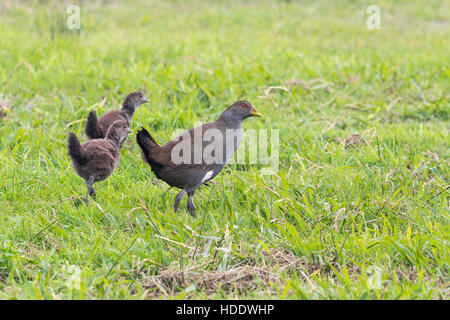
(192, 211)
(191, 206)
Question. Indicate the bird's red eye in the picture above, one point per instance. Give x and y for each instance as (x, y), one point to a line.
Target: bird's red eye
(243, 105)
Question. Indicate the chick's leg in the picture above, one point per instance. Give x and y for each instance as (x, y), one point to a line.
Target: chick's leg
(91, 191)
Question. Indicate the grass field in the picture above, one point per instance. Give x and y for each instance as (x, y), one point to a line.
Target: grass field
(359, 207)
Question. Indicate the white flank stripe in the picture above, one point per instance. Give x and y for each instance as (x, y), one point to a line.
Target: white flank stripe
(207, 176)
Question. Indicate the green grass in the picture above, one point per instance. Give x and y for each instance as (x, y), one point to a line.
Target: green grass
(363, 222)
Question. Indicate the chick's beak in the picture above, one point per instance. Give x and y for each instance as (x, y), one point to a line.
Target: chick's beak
(145, 100)
(255, 113)
(130, 131)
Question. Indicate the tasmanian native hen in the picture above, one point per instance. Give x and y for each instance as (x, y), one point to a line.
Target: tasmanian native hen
(198, 155)
(96, 159)
(97, 128)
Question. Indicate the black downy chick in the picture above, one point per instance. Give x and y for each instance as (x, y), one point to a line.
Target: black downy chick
(96, 159)
(97, 128)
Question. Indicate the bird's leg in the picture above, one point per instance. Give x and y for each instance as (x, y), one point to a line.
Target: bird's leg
(190, 203)
(178, 200)
(91, 191)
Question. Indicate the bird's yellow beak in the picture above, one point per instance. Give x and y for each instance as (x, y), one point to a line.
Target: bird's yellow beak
(130, 131)
(255, 113)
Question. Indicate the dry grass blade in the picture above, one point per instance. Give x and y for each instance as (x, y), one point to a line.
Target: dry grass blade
(239, 280)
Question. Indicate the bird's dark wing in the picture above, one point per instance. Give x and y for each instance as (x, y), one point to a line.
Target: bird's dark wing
(187, 178)
(180, 170)
(188, 138)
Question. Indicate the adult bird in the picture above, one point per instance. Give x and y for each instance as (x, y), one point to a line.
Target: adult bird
(96, 159)
(97, 128)
(198, 155)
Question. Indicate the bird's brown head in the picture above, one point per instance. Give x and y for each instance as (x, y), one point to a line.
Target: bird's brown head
(118, 132)
(239, 111)
(134, 100)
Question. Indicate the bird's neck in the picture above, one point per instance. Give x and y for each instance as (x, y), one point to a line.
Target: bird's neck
(230, 120)
(113, 139)
(128, 111)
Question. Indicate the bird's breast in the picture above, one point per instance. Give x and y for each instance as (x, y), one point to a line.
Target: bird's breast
(231, 143)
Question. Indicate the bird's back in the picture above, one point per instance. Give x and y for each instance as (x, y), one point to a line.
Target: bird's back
(101, 159)
(109, 118)
(203, 164)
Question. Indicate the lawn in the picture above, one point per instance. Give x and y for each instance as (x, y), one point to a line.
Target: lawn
(357, 209)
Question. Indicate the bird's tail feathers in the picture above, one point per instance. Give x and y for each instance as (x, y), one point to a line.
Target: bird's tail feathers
(74, 147)
(148, 146)
(92, 130)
